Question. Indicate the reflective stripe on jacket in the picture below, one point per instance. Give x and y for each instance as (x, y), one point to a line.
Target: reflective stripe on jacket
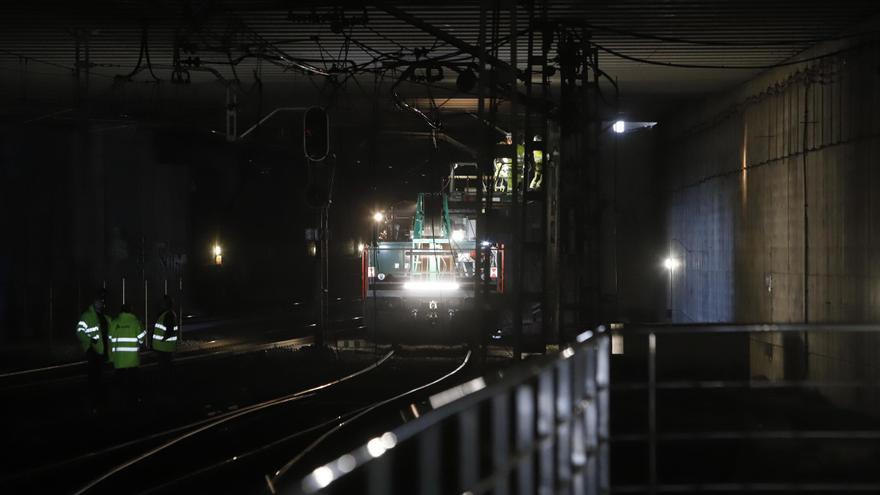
(165, 332)
(88, 330)
(126, 336)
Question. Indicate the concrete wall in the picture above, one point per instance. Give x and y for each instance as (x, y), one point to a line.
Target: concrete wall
(83, 206)
(738, 220)
(633, 285)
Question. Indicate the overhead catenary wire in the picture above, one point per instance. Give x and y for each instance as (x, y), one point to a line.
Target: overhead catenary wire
(683, 65)
(732, 44)
(38, 60)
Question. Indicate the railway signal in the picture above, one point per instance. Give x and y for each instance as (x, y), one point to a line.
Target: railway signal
(316, 134)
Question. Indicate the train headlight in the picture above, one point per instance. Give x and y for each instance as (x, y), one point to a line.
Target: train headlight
(432, 285)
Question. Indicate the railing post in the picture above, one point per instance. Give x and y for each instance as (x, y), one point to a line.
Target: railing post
(525, 438)
(591, 422)
(500, 441)
(545, 431)
(379, 475)
(468, 450)
(603, 405)
(563, 426)
(652, 412)
(579, 421)
(429, 462)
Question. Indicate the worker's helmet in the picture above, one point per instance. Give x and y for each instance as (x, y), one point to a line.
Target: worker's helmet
(125, 308)
(169, 303)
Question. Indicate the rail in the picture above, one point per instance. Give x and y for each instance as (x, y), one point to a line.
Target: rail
(540, 427)
(808, 357)
(184, 356)
(211, 423)
(324, 431)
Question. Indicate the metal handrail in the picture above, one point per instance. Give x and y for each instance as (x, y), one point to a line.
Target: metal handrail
(553, 403)
(652, 436)
(713, 328)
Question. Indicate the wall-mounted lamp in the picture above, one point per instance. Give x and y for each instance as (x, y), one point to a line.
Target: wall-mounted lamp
(671, 264)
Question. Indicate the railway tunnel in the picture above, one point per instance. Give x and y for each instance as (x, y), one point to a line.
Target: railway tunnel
(524, 246)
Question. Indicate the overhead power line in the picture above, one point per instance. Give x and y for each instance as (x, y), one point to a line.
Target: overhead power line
(735, 44)
(681, 65)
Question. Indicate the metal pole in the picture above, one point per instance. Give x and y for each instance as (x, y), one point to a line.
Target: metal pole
(652, 412)
(806, 294)
(477, 340)
(518, 244)
(51, 313)
(371, 261)
(806, 335)
(146, 306)
(123, 290)
(319, 337)
(180, 311)
(325, 272)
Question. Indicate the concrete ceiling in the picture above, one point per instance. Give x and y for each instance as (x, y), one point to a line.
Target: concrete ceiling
(654, 49)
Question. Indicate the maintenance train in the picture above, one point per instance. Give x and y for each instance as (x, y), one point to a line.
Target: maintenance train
(421, 272)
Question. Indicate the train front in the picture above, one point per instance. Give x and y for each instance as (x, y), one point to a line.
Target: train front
(419, 275)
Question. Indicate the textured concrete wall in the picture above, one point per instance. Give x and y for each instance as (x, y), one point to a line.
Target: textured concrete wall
(738, 219)
(84, 206)
(633, 286)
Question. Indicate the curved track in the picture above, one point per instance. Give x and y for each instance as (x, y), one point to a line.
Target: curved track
(252, 439)
(208, 424)
(77, 370)
(146, 445)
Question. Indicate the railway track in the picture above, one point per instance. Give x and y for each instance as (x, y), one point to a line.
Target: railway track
(60, 373)
(263, 445)
(145, 446)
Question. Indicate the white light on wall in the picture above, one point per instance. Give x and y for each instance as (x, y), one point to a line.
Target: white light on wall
(378, 217)
(457, 235)
(619, 127)
(218, 254)
(671, 263)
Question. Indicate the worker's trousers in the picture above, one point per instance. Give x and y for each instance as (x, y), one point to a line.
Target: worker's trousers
(97, 392)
